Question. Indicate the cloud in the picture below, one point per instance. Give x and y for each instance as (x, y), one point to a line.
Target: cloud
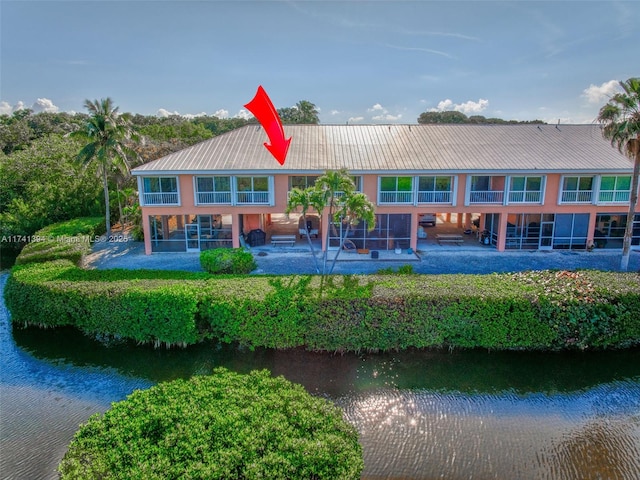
(194, 115)
(165, 113)
(467, 108)
(387, 117)
(377, 108)
(5, 108)
(221, 113)
(44, 105)
(334, 112)
(419, 49)
(355, 119)
(244, 114)
(602, 93)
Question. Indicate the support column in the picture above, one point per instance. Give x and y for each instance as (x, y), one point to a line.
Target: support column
(413, 239)
(591, 229)
(502, 232)
(235, 230)
(146, 228)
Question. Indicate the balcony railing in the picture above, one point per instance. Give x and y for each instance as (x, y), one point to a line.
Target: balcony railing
(252, 198)
(214, 198)
(525, 197)
(486, 196)
(169, 198)
(434, 197)
(396, 197)
(614, 196)
(577, 196)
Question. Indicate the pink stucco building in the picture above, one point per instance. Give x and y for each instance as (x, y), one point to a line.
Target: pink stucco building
(531, 186)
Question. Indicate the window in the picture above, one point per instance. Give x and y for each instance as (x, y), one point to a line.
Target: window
(577, 189)
(213, 190)
(302, 182)
(614, 189)
(252, 190)
(435, 189)
(395, 190)
(481, 190)
(525, 190)
(160, 191)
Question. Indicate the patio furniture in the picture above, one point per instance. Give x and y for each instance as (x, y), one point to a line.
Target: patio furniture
(283, 240)
(450, 238)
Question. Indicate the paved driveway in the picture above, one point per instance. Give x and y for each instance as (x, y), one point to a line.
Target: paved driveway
(131, 255)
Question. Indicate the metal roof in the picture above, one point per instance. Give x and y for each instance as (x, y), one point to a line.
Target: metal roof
(402, 148)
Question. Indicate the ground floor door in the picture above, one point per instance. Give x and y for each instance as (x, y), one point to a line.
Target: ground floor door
(192, 237)
(546, 233)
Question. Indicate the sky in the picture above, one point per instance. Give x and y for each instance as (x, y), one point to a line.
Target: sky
(363, 62)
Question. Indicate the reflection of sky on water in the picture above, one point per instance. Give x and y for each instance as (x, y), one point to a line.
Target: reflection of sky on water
(426, 434)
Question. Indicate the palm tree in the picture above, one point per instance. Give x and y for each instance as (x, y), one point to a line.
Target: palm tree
(108, 133)
(620, 119)
(305, 200)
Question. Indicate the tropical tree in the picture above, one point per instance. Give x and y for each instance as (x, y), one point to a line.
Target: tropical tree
(304, 112)
(620, 119)
(304, 200)
(109, 134)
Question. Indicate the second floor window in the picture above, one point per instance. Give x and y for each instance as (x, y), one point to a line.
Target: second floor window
(395, 190)
(577, 189)
(252, 190)
(213, 190)
(435, 189)
(302, 182)
(614, 189)
(525, 190)
(160, 191)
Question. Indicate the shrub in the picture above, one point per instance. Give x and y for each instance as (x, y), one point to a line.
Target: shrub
(70, 240)
(227, 260)
(221, 426)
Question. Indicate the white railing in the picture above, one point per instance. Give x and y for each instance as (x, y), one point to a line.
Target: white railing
(525, 197)
(396, 197)
(169, 198)
(486, 196)
(212, 198)
(252, 198)
(434, 197)
(577, 196)
(614, 196)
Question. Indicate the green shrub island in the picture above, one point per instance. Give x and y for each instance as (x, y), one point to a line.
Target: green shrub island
(69, 240)
(220, 426)
(530, 310)
(227, 260)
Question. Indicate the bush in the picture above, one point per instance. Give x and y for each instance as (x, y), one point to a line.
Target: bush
(227, 260)
(532, 310)
(70, 240)
(222, 426)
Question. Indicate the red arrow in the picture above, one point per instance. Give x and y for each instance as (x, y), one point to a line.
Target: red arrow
(268, 117)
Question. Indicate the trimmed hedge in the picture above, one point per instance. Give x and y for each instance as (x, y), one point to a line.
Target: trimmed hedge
(221, 426)
(532, 310)
(70, 240)
(227, 260)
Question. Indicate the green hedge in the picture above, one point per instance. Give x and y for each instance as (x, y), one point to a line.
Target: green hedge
(222, 426)
(227, 260)
(533, 310)
(70, 240)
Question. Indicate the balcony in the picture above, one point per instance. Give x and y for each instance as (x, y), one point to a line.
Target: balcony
(214, 198)
(486, 196)
(434, 197)
(395, 198)
(576, 196)
(169, 198)
(252, 198)
(614, 196)
(525, 197)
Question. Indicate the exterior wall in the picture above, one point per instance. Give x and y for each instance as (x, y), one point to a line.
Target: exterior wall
(370, 188)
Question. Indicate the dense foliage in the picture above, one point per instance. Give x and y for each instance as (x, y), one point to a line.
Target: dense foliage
(452, 116)
(534, 310)
(70, 240)
(221, 426)
(227, 260)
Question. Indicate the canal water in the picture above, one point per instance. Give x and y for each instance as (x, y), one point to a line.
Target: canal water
(420, 414)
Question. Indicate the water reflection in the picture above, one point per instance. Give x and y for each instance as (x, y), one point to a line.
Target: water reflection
(421, 415)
